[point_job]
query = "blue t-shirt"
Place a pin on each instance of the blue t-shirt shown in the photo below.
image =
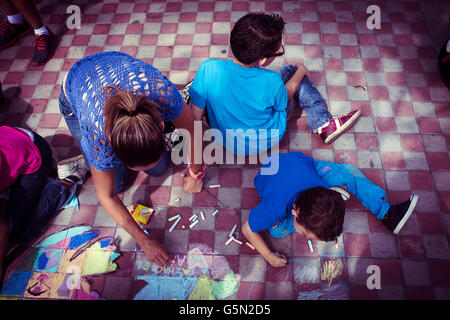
(297, 172)
(242, 98)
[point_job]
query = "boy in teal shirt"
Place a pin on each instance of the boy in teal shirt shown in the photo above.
(242, 96)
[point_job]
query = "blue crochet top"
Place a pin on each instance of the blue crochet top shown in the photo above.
(84, 84)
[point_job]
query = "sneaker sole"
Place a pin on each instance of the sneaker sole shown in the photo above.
(60, 166)
(344, 194)
(344, 128)
(414, 198)
(15, 39)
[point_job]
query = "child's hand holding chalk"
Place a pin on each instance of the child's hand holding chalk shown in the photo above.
(277, 260)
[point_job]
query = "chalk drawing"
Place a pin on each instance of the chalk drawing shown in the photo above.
(323, 280)
(46, 271)
(199, 274)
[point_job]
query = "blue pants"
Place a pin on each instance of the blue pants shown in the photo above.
(308, 98)
(120, 170)
(33, 200)
(341, 174)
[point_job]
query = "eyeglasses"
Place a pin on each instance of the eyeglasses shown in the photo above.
(277, 54)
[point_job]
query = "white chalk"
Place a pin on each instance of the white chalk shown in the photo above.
(249, 244)
(215, 212)
(193, 217)
(174, 224)
(193, 224)
(310, 246)
(202, 215)
(215, 186)
(228, 241)
(232, 231)
(337, 245)
(177, 200)
(237, 241)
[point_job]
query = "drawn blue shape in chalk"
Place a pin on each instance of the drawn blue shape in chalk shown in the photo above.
(16, 284)
(61, 235)
(79, 240)
(165, 288)
(106, 242)
(114, 255)
(48, 260)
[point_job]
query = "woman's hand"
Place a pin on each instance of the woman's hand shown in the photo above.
(155, 251)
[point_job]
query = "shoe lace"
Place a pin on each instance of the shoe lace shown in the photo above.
(41, 43)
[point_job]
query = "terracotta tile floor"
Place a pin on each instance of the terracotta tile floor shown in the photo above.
(401, 142)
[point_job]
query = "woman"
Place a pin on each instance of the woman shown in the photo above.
(115, 107)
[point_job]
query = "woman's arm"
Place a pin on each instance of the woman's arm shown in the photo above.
(104, 184)
(186, 121)
(258, 242)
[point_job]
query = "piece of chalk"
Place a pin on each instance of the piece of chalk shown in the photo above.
(146, 232)
(215, 212)
(215, 186)
(232, 231)
(249, 244)
(337, 245)
(193, 224)
(174, 224)
(228, 241)
(174, 217)
(202, 215)
(310, 246)
(177, 200)
(193, 217)
(237, 241)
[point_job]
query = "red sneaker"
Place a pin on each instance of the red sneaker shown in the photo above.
(338, 125)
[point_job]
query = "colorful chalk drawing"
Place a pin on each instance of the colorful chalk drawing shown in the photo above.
(199, 274)
(325, 280)
(60, 265)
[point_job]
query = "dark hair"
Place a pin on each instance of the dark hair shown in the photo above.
(256, 36)
(132, 126)
(321, 211)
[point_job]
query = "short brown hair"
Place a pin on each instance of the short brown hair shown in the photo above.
(132, 126)
(256, 35)
(321, 211)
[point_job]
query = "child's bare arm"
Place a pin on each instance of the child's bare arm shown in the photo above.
(197, 112)
(258, 242)
(294, 82)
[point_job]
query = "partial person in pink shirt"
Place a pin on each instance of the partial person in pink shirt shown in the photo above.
(30, 197)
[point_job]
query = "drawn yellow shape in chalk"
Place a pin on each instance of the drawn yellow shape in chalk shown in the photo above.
(202, 290)
(331, 270)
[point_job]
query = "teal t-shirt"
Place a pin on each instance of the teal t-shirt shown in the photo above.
(249, 103)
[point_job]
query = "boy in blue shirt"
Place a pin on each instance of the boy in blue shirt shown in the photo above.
(241, 96)
(298, 199)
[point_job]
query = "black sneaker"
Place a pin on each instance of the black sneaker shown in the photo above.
(44, 48)
(10, 33)
(398, 214)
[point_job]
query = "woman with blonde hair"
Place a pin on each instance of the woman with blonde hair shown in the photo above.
(116, 107)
